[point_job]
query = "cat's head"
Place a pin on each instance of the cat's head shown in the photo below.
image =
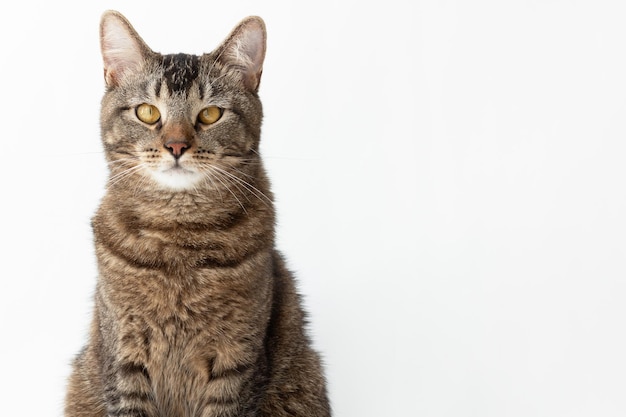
(181, 122)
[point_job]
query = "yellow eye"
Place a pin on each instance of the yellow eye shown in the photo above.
(210, 115)
(148, 113)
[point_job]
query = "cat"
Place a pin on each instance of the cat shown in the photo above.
(195, 313)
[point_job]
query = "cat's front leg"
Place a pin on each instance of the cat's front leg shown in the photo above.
(128, 391)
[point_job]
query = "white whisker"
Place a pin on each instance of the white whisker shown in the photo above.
(123, 175)
(230, 181)
(252, 189)
(209, 178)
(228, 188)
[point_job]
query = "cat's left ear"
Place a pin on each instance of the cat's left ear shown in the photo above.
(244, 51)
(123, 50)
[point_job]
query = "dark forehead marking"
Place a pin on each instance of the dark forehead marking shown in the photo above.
(179, 71)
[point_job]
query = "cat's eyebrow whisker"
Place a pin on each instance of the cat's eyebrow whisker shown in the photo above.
(216, 79)
(217, 58)
(213, 80)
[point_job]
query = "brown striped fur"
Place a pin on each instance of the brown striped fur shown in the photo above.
(195, 313)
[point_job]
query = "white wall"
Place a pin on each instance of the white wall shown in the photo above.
(450, 187)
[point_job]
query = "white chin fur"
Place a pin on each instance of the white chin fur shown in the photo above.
(176, 179)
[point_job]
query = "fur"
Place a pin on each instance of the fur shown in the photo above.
(195, 313)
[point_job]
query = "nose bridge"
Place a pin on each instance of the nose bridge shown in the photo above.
(178, 130)
(177, 136)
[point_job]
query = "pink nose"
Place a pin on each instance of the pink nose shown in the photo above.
(177, 148)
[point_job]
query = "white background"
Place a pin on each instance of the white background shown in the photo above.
(449, 178)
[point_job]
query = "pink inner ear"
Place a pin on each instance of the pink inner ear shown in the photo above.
(248, 51)
(255, 48)
(121, 52)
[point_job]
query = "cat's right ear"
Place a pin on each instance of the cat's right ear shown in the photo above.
(123, 50)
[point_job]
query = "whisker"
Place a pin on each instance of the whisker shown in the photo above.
(230, 181)
(217, 58)
(229, 190)
(238, 171)
(140, 185)
(208, 176)
(122, 161)
(252, 189)
(287, 158)
(121, 176)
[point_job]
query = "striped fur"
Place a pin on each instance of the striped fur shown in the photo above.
(195, 313)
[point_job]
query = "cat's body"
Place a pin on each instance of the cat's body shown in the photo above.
(195, 313)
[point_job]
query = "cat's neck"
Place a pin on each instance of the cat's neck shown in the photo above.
(162, 209)
(200, 229)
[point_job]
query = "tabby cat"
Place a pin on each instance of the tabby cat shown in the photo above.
(195, 314)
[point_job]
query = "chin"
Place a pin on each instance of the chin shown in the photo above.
(177, 179)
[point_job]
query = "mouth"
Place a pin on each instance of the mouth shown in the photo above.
(177, 169)
(176, 177)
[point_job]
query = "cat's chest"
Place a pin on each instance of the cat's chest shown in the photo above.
(186, 368)
(199, 332)
(197, 356)
(191, 316)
